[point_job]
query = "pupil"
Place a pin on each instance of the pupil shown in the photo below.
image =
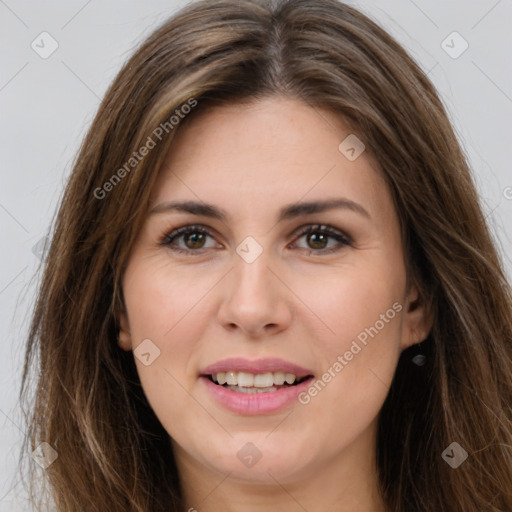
(196, 239)
(322, 242)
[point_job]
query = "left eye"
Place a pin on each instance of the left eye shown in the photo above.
(318, 238)
(194, 238)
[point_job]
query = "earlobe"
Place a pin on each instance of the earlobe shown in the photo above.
(124, 339)
(418, 319)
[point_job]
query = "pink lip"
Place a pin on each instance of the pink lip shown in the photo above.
(257, 403)
(239, 364)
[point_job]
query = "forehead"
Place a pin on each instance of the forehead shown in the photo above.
(272, 151)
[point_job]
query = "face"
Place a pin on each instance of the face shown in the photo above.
(316, 292)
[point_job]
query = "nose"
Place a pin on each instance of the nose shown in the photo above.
(255, 300)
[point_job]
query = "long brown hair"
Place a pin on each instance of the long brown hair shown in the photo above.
(113, 453)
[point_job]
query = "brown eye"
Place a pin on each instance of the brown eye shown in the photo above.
(194, 240)
(318, 238)
(188, 239)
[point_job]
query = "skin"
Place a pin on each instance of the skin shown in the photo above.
(295, 301)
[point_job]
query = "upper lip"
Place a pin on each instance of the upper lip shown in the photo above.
(240, 364)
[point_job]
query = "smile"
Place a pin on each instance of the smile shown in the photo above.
(250, 383)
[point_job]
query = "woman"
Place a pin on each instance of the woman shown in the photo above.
(270, 284)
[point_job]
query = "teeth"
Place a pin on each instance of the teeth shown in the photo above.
(231, 378)
(262, 380)
(289, 378)
(249, 380)
(246, 380)
(279, 378)
(220, 378)
(251, 391)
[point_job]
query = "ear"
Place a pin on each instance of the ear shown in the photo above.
(417, 320)
(125, 340)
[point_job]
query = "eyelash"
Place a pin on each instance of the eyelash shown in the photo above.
(169, 238)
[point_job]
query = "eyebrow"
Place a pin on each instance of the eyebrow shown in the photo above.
(287, 212)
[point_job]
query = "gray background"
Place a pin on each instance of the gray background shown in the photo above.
(47, 104)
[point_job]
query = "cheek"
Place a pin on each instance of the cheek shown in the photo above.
(166, 307)
(160, 297)
(351, 303)
(360, 357)
(360, 350)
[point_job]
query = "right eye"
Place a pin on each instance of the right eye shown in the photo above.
(193, 238)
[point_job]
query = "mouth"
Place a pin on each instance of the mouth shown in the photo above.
(252, 387)
(254, 383)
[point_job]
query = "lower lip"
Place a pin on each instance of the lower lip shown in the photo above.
(256, 403)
